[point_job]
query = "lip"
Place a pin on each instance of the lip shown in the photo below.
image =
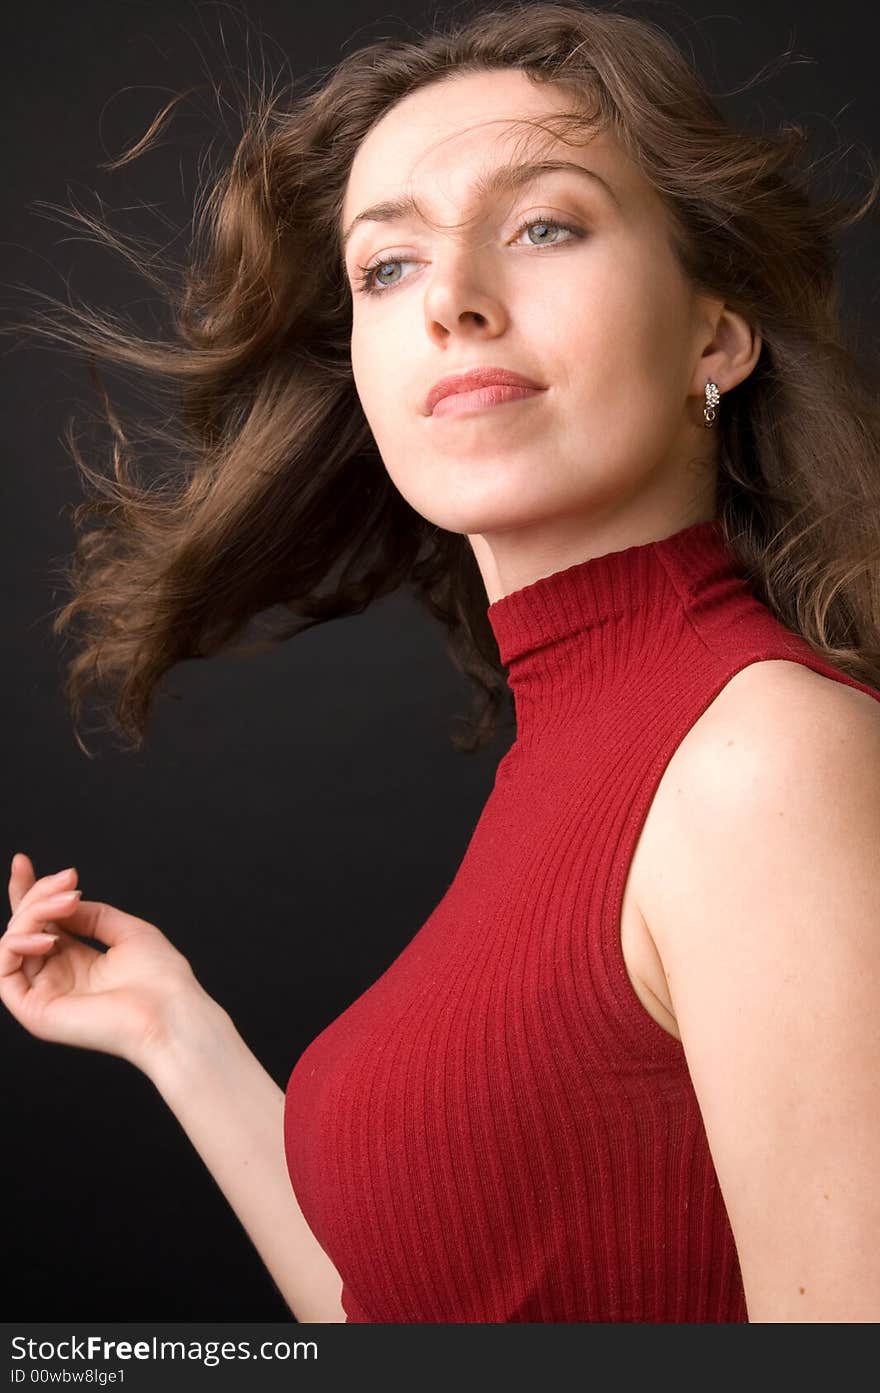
(475, 378)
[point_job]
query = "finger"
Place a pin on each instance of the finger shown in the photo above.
(23, 882)
(36, 914)
(21, 963)
(22, 957)
(17, 948)
(105, 923)
(22, 943)
(46, 885)
(35, 945)
(21, 878)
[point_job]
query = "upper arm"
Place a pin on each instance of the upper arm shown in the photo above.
(765, 915)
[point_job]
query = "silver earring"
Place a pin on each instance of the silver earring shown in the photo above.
(713, 396)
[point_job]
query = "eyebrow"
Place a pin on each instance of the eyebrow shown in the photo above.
(501, 178)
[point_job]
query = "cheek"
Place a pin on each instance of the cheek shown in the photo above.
(378, 363)
(614, 325)
(360, 368)
(623, 352)
(383, 376)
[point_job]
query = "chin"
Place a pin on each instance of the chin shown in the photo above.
(481, 521)
(466, 506)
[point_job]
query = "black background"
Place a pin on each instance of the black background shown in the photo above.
(292, 820)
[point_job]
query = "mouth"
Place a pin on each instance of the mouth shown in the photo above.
(466, 403)
(471, 381)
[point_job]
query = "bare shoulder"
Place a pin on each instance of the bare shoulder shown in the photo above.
(777, 734)
(785, 701)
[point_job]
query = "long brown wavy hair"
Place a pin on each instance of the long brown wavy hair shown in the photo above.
(271, 492)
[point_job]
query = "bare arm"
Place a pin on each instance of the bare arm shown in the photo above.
(232, 1111)
(765, 914)
(141, 1001)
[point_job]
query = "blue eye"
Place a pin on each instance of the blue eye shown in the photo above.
(541, 222)
(366, 283)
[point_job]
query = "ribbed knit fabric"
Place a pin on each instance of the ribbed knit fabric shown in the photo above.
(497, 1130)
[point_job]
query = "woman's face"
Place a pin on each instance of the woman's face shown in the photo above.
(565, 279)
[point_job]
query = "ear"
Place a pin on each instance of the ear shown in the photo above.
(728, 347)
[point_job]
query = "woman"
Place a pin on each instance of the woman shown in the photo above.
(511, 314)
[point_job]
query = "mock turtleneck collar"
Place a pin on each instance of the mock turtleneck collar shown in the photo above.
(566, 635)
(594, 591)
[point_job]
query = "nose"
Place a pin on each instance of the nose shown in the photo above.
(460, 298)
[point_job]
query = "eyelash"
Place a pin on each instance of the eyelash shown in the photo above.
(365, 282)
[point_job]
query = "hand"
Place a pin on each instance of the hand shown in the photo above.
(61, 988)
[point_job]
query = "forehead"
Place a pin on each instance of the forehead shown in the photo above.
(439, 136)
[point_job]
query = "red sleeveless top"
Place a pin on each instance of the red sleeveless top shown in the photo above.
(496, 1129)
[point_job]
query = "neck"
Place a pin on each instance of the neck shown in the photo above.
(512, 558)
(581, 637)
